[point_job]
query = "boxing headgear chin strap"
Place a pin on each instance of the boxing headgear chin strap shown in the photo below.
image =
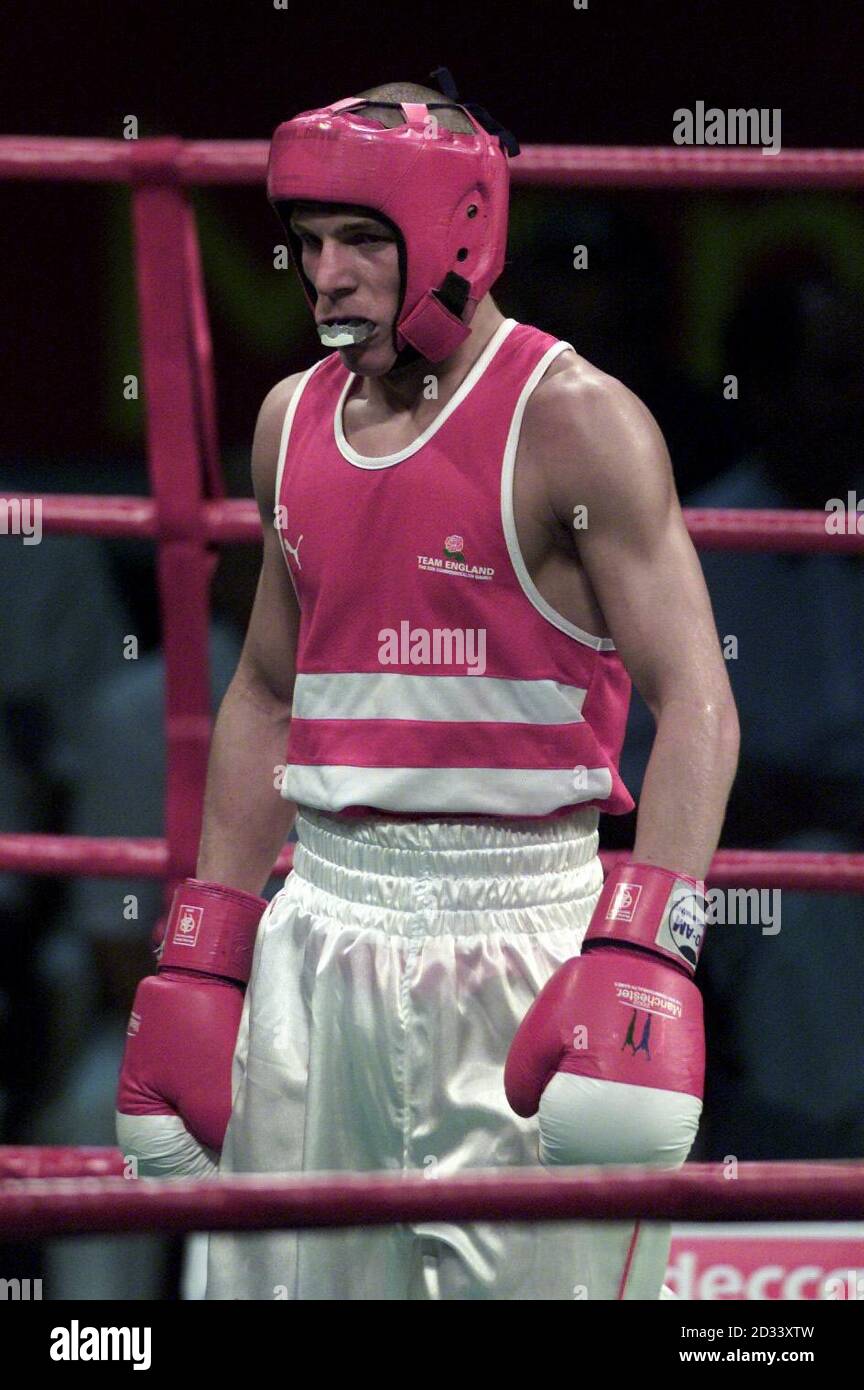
(445, 192)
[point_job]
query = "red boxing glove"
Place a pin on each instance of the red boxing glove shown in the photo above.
(612, 1050)
(174, 1096)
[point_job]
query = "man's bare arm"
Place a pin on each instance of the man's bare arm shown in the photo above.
(646, 576)
(246, 821)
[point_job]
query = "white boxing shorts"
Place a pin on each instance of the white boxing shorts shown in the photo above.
(390, 975)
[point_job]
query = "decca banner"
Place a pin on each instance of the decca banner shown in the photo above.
(770, 1261)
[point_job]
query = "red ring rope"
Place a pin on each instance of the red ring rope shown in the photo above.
(696, 1192)
(562, 166)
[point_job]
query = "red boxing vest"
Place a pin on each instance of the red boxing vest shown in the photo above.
(432, 679)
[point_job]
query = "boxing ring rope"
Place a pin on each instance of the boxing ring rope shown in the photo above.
(204, 162)
(234, 519)
(119, 857)
(46, 1191)
(697, 1192)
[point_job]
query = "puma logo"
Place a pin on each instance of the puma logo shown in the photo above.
(294, 549)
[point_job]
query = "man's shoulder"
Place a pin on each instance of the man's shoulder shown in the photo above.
(277, 400)
(575, 393)
(268, 435)
(584, 427)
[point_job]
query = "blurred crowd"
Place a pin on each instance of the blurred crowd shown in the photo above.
(81, 733)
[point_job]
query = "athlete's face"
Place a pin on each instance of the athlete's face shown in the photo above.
(352, 260)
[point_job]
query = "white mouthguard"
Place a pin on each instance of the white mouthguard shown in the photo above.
(347, 334)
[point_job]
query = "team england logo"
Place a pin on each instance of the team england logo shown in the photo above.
(453, 560)
(188, 926)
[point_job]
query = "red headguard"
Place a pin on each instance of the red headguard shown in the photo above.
(447, 194)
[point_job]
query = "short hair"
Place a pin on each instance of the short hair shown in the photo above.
(451, 116)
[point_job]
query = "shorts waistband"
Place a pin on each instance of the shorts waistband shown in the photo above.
(471, 865)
